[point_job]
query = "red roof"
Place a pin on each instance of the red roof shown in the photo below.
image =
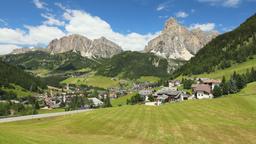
(204, 88)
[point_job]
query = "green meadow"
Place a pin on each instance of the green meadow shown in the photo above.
(93, 80)
(230, 119)
(149, 79)
(121, 101)
(239, 68)
(18, 90)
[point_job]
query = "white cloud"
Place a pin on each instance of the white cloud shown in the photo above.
(7, 48)
(181, 14)
(160, 7)
(34, 35)
(80, 22)
(163, 17)
(228, 29)
(39, 4)
(163, 6)
(51, 20)
(43, 34)
(76, 22)
(225, 3)
(60, 6)
(203, 27)
(11, 36)
(3, 22)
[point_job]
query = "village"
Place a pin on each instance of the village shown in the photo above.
(151, 94)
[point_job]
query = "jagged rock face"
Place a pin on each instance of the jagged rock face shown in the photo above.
(25, 50)
(177, 42)
(97, 48)
(103, 47)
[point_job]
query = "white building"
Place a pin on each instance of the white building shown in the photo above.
(203, 91)
(96, 102)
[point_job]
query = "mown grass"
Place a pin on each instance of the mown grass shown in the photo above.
(93, 80)
(239, 68)
(227, 120)
(44, 111)
(121, 101)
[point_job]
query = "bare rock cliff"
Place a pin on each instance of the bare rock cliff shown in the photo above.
(101, 47)
(177, 42)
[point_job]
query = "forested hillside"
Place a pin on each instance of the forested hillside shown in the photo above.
(11, 74)
(230, 48)
(133, 65)
(43, 60)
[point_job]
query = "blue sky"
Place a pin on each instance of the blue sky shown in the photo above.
(130, 23)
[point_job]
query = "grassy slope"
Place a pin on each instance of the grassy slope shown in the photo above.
(122, 100)
(44, 111)
(19, 91)
(148, 79)
(225, 120)
(96, 81)
(239, 68)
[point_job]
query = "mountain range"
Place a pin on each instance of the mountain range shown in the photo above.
(175, 42)
(162, 56)
(101, 47)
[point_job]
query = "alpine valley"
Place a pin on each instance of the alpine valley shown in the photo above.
(187, 84)
(165, 53)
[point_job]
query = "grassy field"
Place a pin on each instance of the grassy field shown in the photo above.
(149, 79)
(44, 111)
(239, 68)
(122, 100)
(230, 119)
(93, 80)
(19, 91)
(40, 72)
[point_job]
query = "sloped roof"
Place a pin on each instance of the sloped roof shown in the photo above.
(204, 88)
(162, 97)
(206, 80)
(96, 101)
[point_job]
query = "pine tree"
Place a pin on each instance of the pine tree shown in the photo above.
(217, 92)
(107, 102)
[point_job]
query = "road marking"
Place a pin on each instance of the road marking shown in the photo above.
(29, 117)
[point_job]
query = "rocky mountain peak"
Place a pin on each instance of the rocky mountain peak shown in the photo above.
(171, 23)
(177, 42)
(101, 47)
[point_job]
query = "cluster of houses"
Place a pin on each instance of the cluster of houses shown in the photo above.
(152, 94)
(56, 96)
(202, 89)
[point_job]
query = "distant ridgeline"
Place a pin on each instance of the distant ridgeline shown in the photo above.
(233, 47)
(11, 74)
(57, 62)
(126, 64)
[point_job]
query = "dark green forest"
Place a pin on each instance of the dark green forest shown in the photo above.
(133, 65)
(12, 74)
(57, 62)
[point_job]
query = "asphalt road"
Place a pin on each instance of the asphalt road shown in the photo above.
(28, 117)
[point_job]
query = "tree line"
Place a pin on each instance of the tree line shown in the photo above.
(235, 84)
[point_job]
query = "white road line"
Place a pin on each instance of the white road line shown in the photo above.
(28, 117)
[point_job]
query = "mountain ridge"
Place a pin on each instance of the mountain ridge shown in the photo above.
(97, 48)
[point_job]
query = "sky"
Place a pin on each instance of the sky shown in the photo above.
(129, 23)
